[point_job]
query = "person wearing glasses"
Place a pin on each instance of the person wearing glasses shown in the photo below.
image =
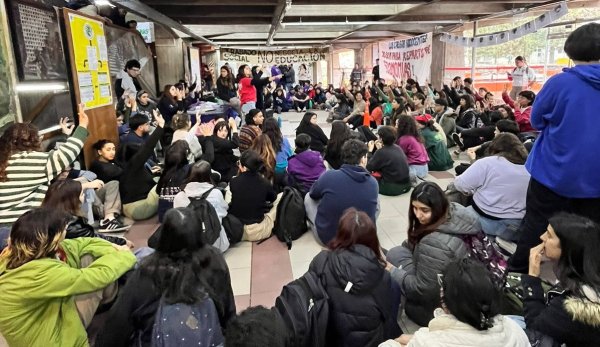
(127, 79)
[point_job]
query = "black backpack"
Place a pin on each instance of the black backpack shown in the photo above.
(290, 222)
(304, 308)
(211, 226)
(118, 89)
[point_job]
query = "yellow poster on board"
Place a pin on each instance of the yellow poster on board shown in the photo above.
(91, 61)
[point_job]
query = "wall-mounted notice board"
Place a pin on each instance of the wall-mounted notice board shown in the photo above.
(90, 60)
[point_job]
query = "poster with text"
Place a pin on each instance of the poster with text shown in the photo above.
(195, 65)
(404, 59)
(91, 61)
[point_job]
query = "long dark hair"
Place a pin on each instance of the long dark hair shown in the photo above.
(469, 102)
(356, 227)
(220, 125)
(509, 111)
(305, 122)
(227, 81)
(430, 194)
(63, 195)
(271, 129)
(508, 146)
(19, 137)
(340, 133)
(167, 94)
(407, 126)
(35, 235)
(241, 73)
(176, 158)
(578, 264)
(199, 172)
(178, 267)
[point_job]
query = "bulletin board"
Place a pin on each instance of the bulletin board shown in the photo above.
(89, 76)
(90, 60)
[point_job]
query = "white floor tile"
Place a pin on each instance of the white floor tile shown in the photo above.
(238, 257)
(240, 281)
(299, 268)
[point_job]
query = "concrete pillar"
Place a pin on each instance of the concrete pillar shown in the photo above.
(438, 61)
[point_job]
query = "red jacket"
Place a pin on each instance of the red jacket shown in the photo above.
(522, 116)
(377, 115)
(247, 90)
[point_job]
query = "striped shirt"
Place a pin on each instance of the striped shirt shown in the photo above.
(29, 175)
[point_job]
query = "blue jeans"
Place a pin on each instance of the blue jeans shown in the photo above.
(419, 171)
(4, 234)
(506, 229)
(520, 320)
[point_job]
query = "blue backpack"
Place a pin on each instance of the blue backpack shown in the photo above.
(181, 324)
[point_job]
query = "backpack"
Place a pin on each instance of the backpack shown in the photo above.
(290, 221)
(165, 200)
(206, 213)
(196, 324)
(304, 308)
(487, 252)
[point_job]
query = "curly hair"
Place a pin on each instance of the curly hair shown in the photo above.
(407, 126)
(19, 137)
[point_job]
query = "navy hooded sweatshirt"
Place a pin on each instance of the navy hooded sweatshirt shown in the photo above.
(338, 190)
(566, 155)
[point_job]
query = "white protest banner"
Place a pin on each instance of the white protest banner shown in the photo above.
(259, 57)
(403, 59)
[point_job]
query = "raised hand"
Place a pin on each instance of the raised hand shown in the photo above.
(160, 121)
(84, 120)
(67, 128)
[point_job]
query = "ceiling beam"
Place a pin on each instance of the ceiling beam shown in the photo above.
(215, 11)
(282, 7)
(222, 21)
(209, 2)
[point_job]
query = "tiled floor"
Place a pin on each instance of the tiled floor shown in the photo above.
(259, 271)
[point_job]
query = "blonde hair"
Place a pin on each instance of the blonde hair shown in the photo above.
(263, 146)
(35, 235)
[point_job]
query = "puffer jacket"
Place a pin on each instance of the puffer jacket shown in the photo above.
(568, 319)
(418, 280)
(360, 298)
(445, 331)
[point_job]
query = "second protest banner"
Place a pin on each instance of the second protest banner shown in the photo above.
(408, 58)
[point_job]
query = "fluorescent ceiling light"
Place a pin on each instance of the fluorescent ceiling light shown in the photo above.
(287, 24)
(40, 87)
(103, 3)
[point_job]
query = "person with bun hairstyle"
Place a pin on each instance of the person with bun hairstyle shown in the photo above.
(437, 151)
(469, 313)
(251, 196)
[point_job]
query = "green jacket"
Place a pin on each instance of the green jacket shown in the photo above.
(439, 157)
(37, 306)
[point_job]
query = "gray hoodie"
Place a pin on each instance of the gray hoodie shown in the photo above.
(215, 198)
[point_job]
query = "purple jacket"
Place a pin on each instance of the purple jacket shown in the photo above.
(276, 71)
(305, 168)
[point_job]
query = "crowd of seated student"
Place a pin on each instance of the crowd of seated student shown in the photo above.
(443, 289)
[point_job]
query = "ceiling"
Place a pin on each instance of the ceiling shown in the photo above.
(299, 23)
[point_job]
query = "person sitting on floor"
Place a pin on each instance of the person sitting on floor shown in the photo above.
(184, 130)
(281, 145)
(469, 314)
(337, 190)
(411, 143)
(104, 166)
(340, 134)
(363, 305)
(65, 196)
(20, 147)
(251, 195)
(199, 182)
(390, 163)
(308, 125)
(136, 183)
(139, 130)
(256, 326)
(51, 287)
(225, 140)
(522, 108)
(437, 150)
(498, 184)
(569, 312)
(252, 129)
(435, 230)
(183, 270)
(305, 166)
(263, 146)
(446, 118)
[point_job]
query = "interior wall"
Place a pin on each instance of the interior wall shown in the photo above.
(170, 56)
(8, 96)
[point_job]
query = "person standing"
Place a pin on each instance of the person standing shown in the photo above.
(356, 75)
(522, 77)
(376, 72)
(127, 79)
(563, 162)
